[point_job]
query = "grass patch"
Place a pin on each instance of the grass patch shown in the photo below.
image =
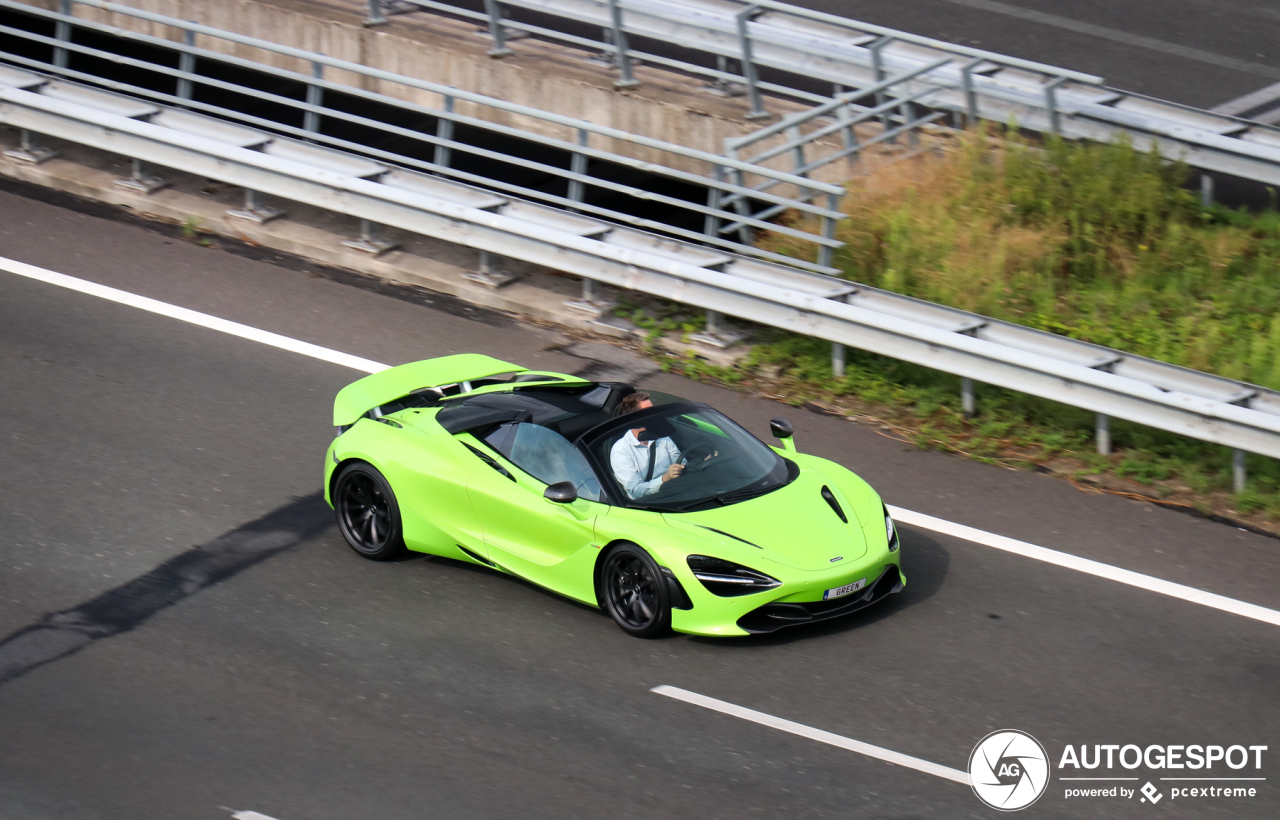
(1097, 242)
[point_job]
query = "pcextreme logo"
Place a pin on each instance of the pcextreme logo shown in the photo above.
(1009, 770)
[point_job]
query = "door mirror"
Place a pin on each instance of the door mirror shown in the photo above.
(781, 428)
(562, 492)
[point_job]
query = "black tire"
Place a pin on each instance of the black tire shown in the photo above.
(367, 512)
(634, 592)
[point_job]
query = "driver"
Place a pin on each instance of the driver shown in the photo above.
(642, 467)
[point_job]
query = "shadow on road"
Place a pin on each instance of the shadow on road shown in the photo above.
(131, 604)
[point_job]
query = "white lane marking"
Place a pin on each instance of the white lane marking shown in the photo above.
(928, 522)
(250, 815)
(1115, 35)
(1085, 565)
(194, 317)
(1254, 99)
(888, 755)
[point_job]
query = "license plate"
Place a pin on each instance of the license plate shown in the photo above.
(844, 590)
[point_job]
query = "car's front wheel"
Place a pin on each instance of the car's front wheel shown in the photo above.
(633, 592)
(367, 512)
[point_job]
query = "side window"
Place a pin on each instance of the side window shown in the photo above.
(549, 457)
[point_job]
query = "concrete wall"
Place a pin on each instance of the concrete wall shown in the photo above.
(666, 106)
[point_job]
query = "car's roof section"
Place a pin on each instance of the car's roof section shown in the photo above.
(357, 398)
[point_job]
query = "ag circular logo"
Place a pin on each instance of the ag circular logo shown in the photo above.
(1009, 770)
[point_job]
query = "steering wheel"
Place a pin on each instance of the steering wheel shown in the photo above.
(697, 459)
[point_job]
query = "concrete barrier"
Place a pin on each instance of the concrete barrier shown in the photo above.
(667, 106)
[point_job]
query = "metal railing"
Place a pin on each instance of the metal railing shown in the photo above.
(1110, 383)
(806, 130)
(581, 178)
(805, 49)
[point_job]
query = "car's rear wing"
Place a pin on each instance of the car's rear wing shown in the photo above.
(375, 390)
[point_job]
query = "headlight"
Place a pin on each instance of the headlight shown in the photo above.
(727, 579)
(890, 531)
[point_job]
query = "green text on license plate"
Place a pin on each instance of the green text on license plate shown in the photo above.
(844, 590)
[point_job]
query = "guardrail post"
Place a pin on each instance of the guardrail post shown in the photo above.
(1238, 471)
(1206, 190)
(140, 181)
(62, 32)
(627, 80)
(970, 96)
(722, 86)
(848, 136)
(717, 334)
(744, 17)
(380, 11)
(444, 130)
(487, 273)
(254, 210)
(740, 204)
(797, 159)
(578, 165)
(877, 64)
(315, 97)
(29, 149)
(837, 360)
(711, 225)
(1051, 103)
(376, 17)
(593, 300)
(187, 65)
(909, 117)
(967, 404)
(494, 9)
(826, 253)
(1102, 430)
(371, 241)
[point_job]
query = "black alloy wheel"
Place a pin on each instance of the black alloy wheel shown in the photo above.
(367, 512)
(634, 593)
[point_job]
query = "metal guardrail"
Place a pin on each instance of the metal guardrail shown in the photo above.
(1108, 382)
(578, 178)
(804, 46)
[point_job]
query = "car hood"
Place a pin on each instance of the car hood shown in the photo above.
(792, 525)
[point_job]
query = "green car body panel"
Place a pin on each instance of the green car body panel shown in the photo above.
(456, 504)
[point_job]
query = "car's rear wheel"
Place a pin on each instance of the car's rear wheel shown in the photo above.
(367, 512)
(634, 593)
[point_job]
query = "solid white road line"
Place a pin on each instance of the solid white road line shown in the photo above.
(191, 316)
(1064, 559)
(928, 522)
(800, 729)
(250, 815)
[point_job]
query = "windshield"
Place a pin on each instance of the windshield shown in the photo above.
(686, 457)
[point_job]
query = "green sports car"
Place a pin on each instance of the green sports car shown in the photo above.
(661, 511)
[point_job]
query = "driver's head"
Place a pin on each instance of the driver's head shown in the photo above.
(633, 402)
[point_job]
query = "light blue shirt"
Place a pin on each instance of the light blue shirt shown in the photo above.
(629, 459)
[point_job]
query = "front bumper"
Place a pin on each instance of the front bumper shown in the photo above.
(774, 616)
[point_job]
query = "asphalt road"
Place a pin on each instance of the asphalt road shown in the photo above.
(228, 651)
(1197, 52)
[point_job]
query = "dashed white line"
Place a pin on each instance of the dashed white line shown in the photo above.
(929, 522)
(791, 727)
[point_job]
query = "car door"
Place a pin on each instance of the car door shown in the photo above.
(524, 531)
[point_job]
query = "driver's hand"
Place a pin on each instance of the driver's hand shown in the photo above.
(712, 455)
(673, 471)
